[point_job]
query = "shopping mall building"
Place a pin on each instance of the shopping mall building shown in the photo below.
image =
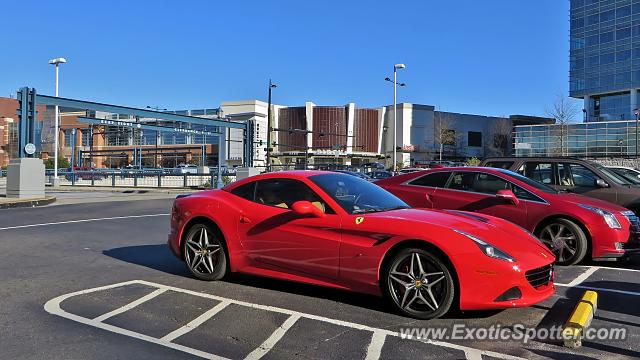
(312, 134)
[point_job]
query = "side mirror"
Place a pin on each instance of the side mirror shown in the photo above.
(508, 196)
(601, 183)
(307, 209)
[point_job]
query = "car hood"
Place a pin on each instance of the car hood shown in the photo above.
(585, 200)
(507, 236)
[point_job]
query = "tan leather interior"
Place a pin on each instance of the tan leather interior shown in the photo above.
(319, 205)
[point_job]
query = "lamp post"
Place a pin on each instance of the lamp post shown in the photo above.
(271, 86)
(155, 156)
(73, 149)
(395, 114)
(56, 62)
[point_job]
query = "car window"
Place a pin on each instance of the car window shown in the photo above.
(627, 174)
(620, 180)
(541, 172)
(499, 164)
(578, 175)
(246, 191)
(437, 179)
(477, 182)
(489, 184)
(523, 194)
(461, 181)
(357, 196)
(283, 193)
(564, 174)
(535, 184)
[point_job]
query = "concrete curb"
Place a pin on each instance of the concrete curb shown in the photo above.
(47, 200)
(580, 319)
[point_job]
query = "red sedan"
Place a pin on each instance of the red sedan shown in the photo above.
(343, 232)
(572, 226)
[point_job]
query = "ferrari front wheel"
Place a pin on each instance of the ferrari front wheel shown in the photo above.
(418, 284)
(204, 253)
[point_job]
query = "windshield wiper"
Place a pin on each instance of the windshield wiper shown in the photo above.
(372, 210)
(399, 207)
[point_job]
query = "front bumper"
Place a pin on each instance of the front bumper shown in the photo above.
(486, 289)
(615, 243)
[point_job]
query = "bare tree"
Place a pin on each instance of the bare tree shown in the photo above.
(499, 137)
(444, 133)
(564, 112)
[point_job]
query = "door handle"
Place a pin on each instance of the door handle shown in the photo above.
(244, 219)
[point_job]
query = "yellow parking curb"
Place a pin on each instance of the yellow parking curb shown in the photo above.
(580, 319)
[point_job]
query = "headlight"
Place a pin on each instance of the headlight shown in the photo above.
(488, 249)
(608, 217)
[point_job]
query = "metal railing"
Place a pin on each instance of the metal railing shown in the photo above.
(140, 178)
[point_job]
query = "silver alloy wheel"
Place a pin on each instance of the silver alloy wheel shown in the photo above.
(415, 289)
(202, 252)
(561, 240)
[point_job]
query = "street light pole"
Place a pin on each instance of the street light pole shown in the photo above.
(268, 165)
(155, 157)
(56, 62)
(395, 115)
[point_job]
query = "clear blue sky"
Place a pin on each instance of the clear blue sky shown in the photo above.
(495, 57)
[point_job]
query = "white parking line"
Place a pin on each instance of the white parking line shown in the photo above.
(609, 268)
(375, 346)
(373, 352)
(624, 292)
(129, 306)
(268, 344)
(82, 221)
(195, 322)
(576, 283)
(473, 354)
(582, 277)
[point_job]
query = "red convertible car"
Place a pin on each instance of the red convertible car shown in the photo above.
(572, 226)
(343, 232)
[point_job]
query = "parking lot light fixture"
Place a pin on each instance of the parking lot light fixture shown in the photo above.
(56, 62)
(268, 157)
(395, 113)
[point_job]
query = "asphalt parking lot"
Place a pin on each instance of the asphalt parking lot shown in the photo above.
(96, 280)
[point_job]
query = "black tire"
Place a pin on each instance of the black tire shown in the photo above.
(204, 252)
(425, 292)
(566, 240)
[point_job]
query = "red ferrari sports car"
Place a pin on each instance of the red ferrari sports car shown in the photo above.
(571, 225)
(343, 232)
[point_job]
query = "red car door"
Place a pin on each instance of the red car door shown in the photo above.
(273, 236)
(476, 191)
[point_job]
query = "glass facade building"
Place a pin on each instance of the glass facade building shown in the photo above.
(604, 139)
(605, 57)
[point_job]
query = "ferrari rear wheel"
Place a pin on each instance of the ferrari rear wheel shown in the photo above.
(566, 240)
(418, 284)
(204, 253)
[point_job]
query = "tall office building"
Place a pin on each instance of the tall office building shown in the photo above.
(605, 57)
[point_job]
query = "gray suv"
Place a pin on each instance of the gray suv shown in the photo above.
(574, 175)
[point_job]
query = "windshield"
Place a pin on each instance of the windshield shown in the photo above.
(629, 175)
(534, 184)
(620, 180)
(357, 196)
